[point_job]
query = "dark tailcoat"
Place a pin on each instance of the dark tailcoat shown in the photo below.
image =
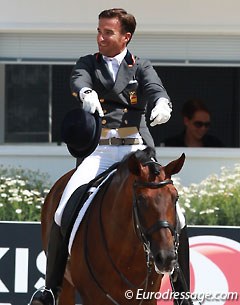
(124, 102)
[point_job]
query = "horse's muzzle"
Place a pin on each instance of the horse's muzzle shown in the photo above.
(165, 261)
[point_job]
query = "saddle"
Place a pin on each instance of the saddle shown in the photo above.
(77, 200)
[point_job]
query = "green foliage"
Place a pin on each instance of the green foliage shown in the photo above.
(214, 201)
(22, 194)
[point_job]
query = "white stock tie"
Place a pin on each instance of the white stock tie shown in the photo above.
(113, 67)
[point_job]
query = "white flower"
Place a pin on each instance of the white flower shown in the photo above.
(10, 182)
(21, 182)
(36, 193)
(26, 193)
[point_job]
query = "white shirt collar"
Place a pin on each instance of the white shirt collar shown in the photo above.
(119, 58)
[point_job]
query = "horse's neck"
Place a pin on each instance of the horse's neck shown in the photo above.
(118, 217)
(122, 243)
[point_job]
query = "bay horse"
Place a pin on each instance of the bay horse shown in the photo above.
(128, 237)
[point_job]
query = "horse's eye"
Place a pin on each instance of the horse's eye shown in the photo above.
(142, 201)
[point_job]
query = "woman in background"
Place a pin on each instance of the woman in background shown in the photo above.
(197, 120)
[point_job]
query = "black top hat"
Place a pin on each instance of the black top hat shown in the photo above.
(81, 132)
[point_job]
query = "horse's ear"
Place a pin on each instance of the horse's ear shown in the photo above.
(134, 165)
(174, 167)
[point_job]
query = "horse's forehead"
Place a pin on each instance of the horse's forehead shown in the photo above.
(164, 187)
(161, 201)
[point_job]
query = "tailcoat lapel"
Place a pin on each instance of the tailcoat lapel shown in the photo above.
(103, 72)
(125, 73)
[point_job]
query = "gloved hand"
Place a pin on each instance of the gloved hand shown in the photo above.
(161, 113)
(90, 101)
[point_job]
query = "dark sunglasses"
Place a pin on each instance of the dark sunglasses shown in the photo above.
(199, 124)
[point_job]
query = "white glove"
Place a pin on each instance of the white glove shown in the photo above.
(90, 101)
(161, 113)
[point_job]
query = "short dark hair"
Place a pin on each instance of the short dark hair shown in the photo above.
(128, 21)
(193, 105)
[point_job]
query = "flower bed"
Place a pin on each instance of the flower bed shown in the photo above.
(22, 194)
(214, 201)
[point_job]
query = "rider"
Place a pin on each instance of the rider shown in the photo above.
(119, 87)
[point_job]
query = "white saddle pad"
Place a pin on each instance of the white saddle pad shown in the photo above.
(83, 211)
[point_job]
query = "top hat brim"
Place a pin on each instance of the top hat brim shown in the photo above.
(95, 141)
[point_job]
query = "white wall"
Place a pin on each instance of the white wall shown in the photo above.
(172, 15)
(2, 103)
(200, 162)
(56, 161)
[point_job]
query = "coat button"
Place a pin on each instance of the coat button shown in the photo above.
(126, 122)
(125, 110)
(102, 100)
(104, 122)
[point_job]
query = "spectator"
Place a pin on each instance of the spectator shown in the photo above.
(197, 120)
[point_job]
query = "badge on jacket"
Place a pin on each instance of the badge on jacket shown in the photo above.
(133, 97)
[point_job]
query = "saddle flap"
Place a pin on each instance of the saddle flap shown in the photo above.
(72, 208)
(77, 200)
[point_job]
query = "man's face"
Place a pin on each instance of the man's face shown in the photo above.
(111, 41)
(198, 125)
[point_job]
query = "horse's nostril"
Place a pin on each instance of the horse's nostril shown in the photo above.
(158, 259)
(165, 259)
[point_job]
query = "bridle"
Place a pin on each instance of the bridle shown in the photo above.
(160, 223)
(142, 233)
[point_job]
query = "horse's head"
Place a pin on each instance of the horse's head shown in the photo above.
(154, 204)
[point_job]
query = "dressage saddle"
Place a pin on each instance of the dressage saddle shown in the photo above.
(77, 200)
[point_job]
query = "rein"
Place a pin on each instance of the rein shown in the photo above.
(90, 268)
(140, 232)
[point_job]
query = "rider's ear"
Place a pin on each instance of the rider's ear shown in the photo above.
(134, 165)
